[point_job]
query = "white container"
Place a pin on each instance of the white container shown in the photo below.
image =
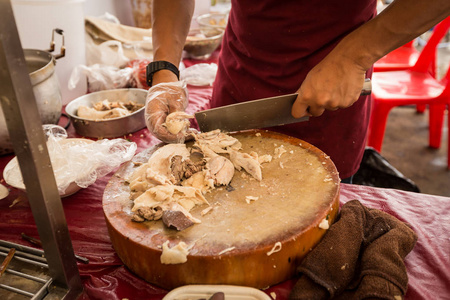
(36, 19)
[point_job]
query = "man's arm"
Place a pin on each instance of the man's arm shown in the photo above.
(399, 23)
(337, 80)
(171, 20)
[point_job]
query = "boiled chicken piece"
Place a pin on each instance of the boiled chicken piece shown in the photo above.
(177, 166)
(159, 164)
(174, 206)
(170, 184)
(188, 197)
(213, 142)
(138, 182)
(90, 113)
(175, 255)
(157, 170)
(193, 167)
(148, 214)
(164, 195)
(103, 105)
(202, 181)
(168, 197)
(264, 158)
(130, 106)
(216, 141)
(184, 168)
(261, 158)
(178, 207)
(205, 150)
(221, 169)
(247, 162)
(138, 174)
(279, 151)
(177, 122)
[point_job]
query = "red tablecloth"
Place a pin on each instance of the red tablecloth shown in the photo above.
(105, 277)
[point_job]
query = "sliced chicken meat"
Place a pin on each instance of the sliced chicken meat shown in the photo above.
(168, 197)
(247, 162)
(177, 122)
(170, 184)
(221, 169)
(216, 141)
(90, 113)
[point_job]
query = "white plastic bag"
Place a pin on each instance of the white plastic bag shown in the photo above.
(79, 161)
(102, 77)
(84, 163)
(200, 74)
(110, 53)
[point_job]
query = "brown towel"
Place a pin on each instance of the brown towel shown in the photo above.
(360, 257)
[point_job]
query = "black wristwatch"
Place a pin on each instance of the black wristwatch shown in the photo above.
(156, 66)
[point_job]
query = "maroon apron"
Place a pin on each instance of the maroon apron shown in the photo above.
(269, 47)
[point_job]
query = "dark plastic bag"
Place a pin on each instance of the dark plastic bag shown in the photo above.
(376, 171)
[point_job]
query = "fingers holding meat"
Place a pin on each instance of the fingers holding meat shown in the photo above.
(162, 100)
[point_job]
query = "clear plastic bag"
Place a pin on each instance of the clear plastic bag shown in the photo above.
(200, 74)
(79, 161)
(85, 163)
(114, 72)
(139, 72)
(102, 77)
(110, 53)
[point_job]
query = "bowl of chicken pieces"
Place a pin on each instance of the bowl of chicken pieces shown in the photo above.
(109, 113)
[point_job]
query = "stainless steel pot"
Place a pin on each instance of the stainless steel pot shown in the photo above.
(41, 67)
(109, 128)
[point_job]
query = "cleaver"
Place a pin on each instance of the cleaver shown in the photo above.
(261, 113)
(254, 114)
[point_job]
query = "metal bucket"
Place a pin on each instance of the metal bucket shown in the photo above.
(41, 68)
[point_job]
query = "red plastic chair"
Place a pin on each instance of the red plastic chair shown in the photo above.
(408, 87)
(402, 58)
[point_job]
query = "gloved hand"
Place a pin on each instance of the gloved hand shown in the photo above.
(162, 100)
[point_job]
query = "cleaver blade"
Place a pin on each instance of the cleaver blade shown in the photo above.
(261, 113)
(256, 114)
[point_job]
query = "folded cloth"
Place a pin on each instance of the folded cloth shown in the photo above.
(106, 41)
(104, 31)
(360, 257)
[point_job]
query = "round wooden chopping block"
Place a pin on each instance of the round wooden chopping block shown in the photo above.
(255, 241)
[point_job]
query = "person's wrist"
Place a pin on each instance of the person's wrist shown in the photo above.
(162, 76)
(157, 66)
(359, 49)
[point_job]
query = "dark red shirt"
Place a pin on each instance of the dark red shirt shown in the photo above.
(269, 47)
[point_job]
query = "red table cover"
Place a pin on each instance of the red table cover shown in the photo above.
(105, 277)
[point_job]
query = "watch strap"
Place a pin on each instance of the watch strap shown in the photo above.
(156, 66)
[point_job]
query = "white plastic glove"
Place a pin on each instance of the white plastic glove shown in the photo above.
(162, 100)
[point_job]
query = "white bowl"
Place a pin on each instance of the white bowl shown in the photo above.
(13, 177)
(232, 292)
(213, 20)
